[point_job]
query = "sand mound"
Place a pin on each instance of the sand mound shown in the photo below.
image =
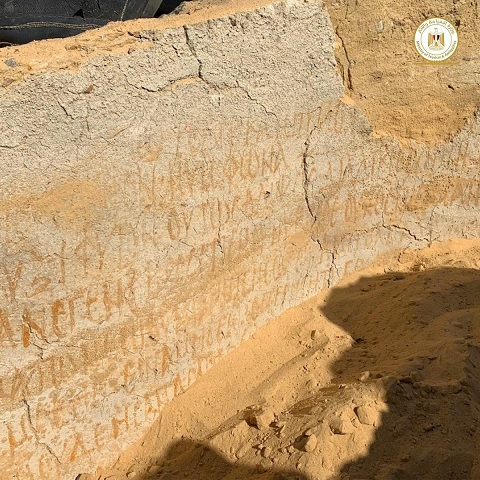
(374, 379)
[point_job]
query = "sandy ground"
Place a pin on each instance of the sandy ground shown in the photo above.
(374, 379)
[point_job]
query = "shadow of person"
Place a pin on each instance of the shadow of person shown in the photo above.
(197, 461)
(418, 333)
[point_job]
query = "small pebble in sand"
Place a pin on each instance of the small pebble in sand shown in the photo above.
(364, 376)
(11, 62)
(316, 334)
(266, 452)
(339, 426)
(261, 418)
(365, 415)
(311, 443)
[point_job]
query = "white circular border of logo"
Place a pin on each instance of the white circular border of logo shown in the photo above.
(442, 26)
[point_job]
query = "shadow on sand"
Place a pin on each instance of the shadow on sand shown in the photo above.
(418, 329)
(422, 330)
(196, 461)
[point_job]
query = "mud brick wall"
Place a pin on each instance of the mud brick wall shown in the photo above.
(167, 187)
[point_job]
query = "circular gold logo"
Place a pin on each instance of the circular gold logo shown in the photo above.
(436, 39)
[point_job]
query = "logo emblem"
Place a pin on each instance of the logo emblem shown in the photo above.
(436, 39)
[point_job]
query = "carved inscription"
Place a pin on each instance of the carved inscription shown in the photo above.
(198, 247)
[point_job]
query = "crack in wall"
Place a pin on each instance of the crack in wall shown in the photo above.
(305, 169)
(249, 96)
(35, 433)
(333, 267)
(219, 88)
(193, 51)
(219, 243)
(305, 174)
(346, 70)
(407, 230)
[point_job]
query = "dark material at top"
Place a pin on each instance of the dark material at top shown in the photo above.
(22, 21)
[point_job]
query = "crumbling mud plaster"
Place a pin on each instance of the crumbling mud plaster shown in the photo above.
(160, 202)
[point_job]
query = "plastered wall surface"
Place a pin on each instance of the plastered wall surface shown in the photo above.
(160, 202)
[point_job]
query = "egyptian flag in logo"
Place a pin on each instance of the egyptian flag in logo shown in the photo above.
(436, 40)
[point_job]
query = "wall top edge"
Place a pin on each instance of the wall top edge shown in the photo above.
(116, 38)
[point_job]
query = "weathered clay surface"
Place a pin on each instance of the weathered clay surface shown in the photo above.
(402, 95)
(161, 202)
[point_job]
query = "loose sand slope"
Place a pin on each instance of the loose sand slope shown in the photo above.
(374, 379)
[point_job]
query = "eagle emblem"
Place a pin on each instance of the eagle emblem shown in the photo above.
(436, 40)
